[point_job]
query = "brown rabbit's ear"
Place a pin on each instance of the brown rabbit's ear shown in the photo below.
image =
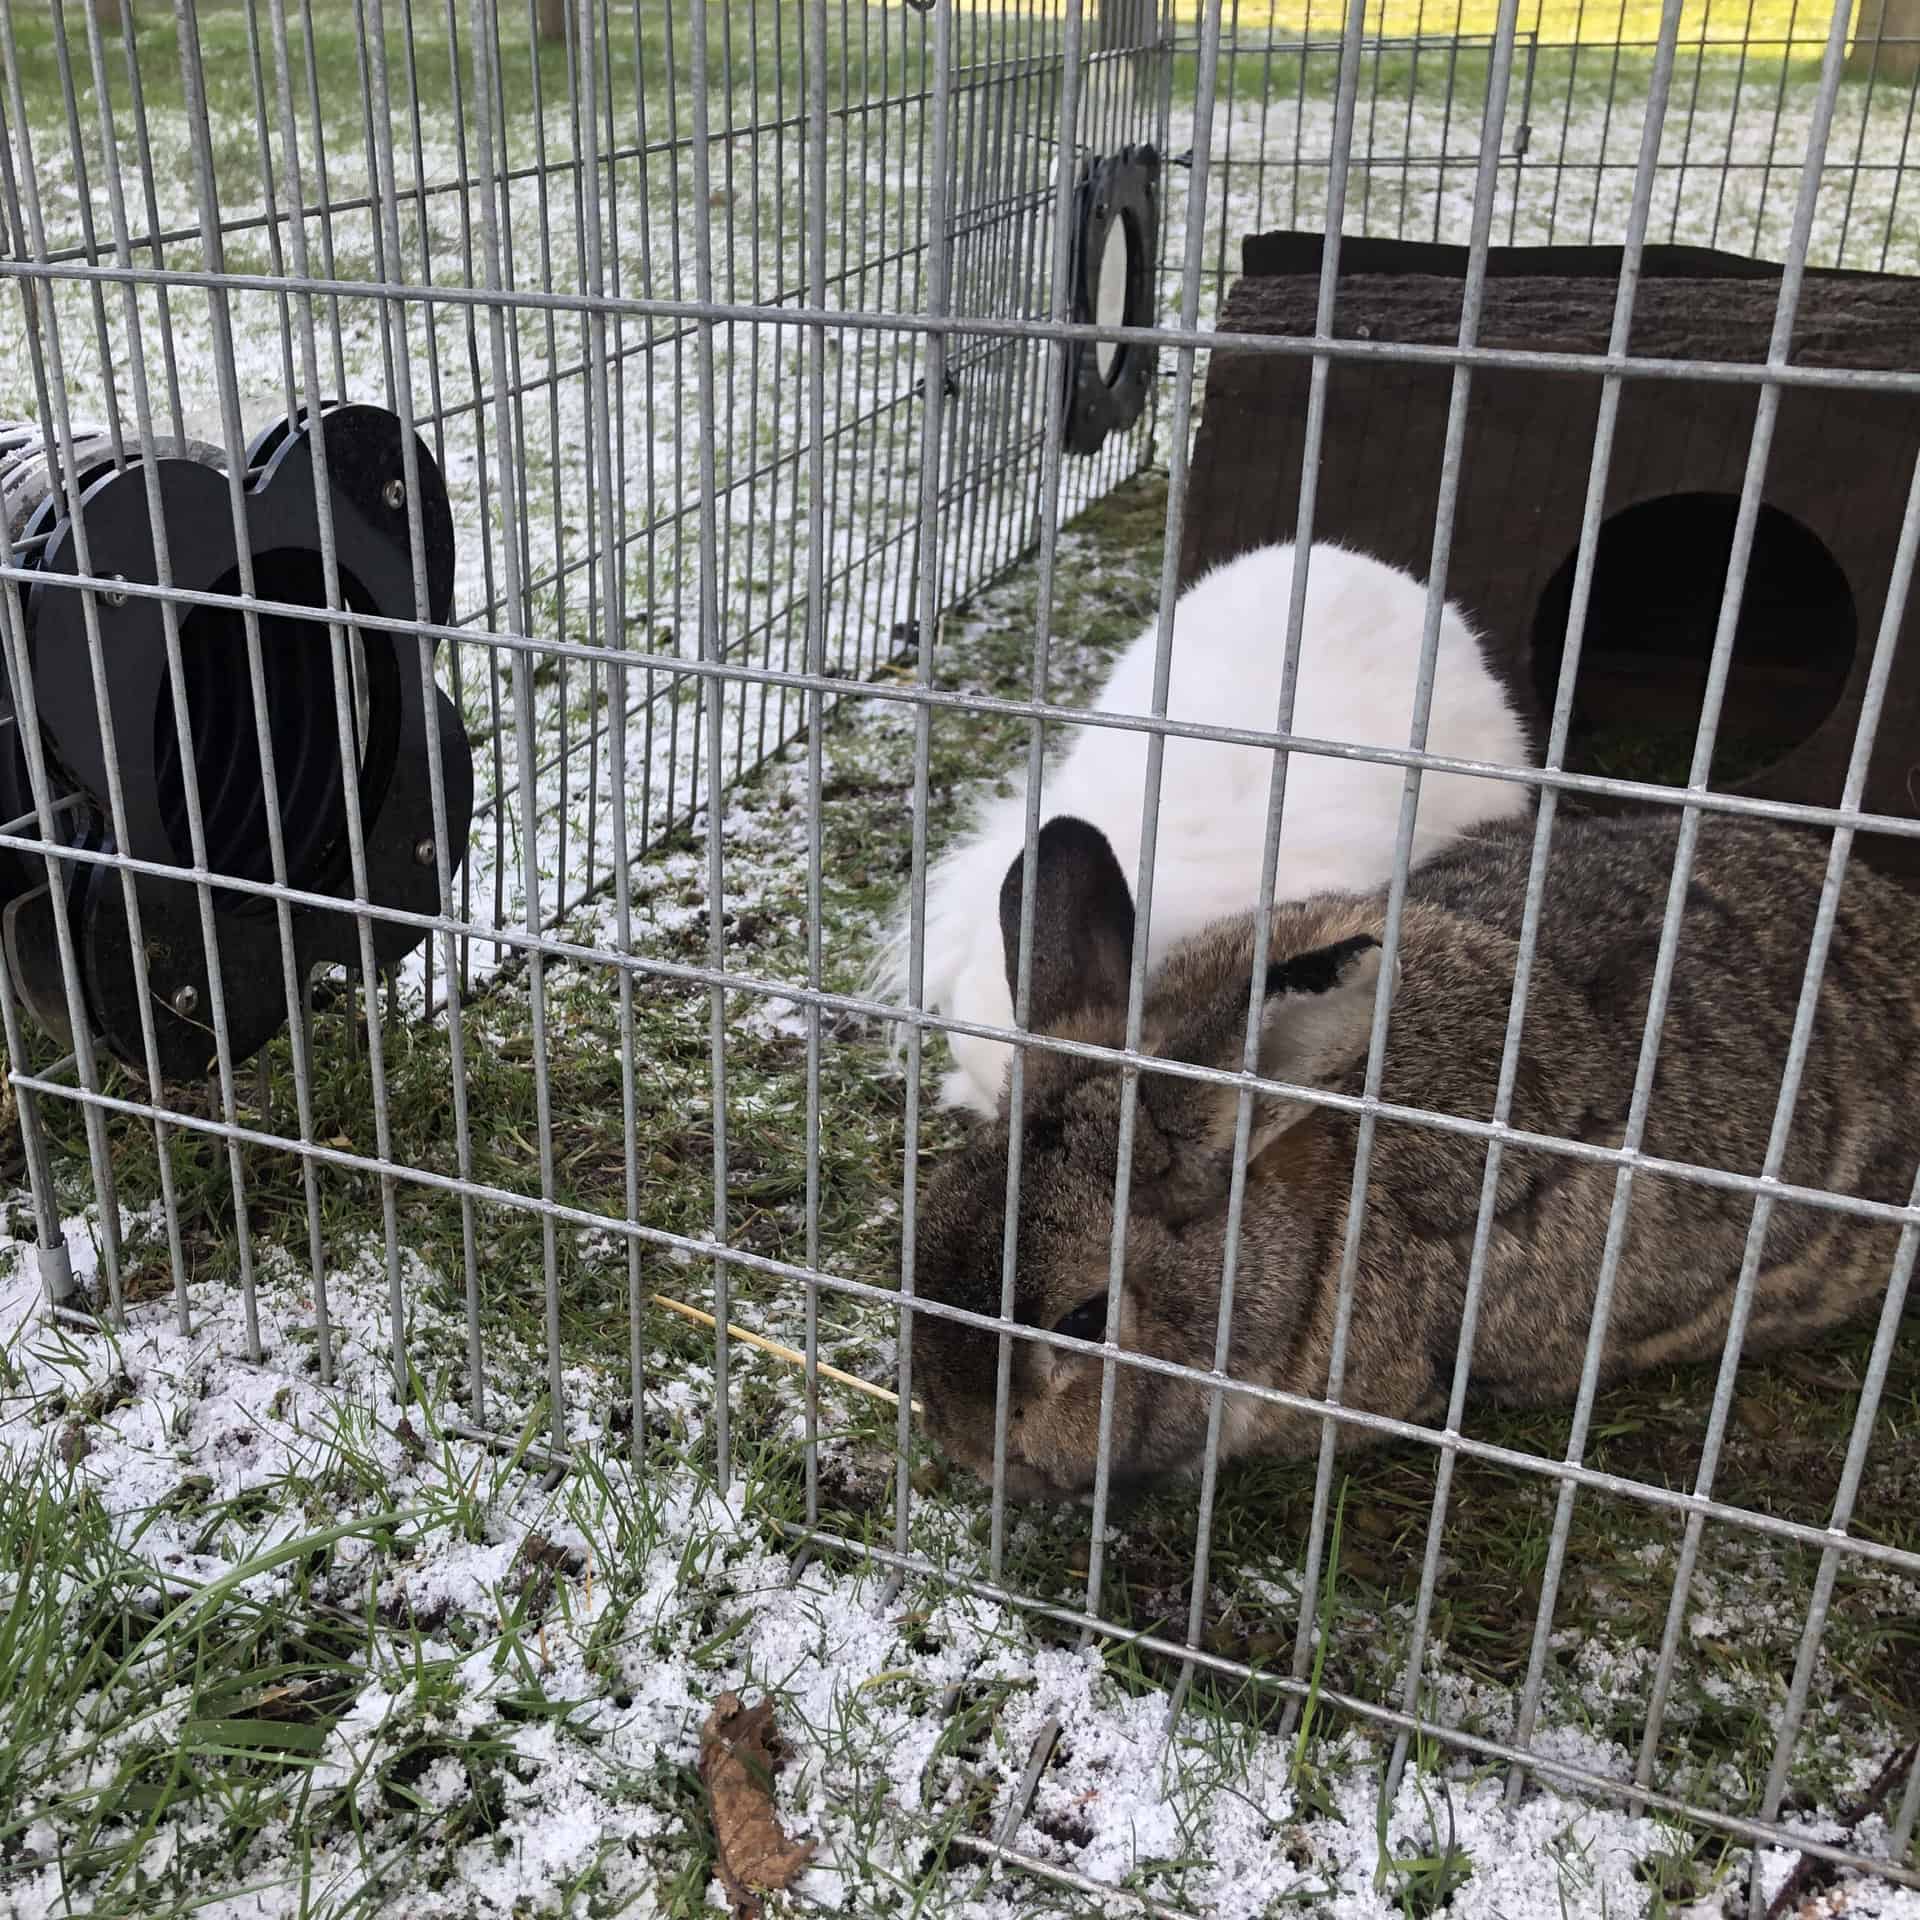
(1318, 1016)
(1082, 923)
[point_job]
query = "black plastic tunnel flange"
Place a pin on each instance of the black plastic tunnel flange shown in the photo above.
(389, 713)
(1121, 191)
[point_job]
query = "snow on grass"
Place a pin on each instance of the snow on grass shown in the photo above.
(1730, 173)
(529, 1668)
(274, 1648)
(477, 1694)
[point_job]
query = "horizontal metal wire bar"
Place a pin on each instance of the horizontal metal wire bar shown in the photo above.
(417, 193)
(1544, 163)
(651, 530)
(1237, 45)
(1743, 806)
(1053, 1875)
(1593, 366)
(1885, 1212)
(1537, 1465)
(572, 372)
(1601, 1786)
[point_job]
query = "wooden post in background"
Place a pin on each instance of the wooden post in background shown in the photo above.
(1886, 40)
(109, 14)
(553, 19)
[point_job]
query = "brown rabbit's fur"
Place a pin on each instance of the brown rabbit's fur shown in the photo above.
(1737, 979)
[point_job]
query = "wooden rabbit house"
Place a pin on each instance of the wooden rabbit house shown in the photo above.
(1823, 553)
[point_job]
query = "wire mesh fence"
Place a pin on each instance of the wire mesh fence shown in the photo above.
(725, 354)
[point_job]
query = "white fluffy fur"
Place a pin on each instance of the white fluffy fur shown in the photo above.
(1359, 651)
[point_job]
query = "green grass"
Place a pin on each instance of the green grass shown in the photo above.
(1790, 1425)
(260, 1684)
(648, 45)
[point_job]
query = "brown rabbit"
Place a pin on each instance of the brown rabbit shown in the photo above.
(1737, 979)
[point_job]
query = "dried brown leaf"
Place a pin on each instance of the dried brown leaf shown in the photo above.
(752, 1851)
(536, 1550)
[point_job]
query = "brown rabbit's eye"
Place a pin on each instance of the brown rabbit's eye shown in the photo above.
(1087, 1321)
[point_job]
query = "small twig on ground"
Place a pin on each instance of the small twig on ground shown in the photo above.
(788, 1354)
(1800, 1879)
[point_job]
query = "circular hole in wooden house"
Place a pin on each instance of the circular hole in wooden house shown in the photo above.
(1659, 573)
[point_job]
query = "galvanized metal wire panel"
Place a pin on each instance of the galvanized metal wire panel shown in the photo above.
(731, 341)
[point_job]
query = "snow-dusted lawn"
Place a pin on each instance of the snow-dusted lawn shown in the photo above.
(273, 1648)
(436, 1711)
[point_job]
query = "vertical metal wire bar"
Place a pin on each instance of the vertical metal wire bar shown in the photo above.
(1297, 167)
(800, 352)
(740, 596)
(978, 223)
(1346, 87)
(136, 355)
(1867, 99)
(1016, 459)
(1066, 176)
(939, 263)
(1022, 376)
(964, 108)
(1446, 136)
(906, 195)
(42, 328)
(1733, 111)
(1900, 1838)
(613, 600)
(54, 1263)
(470, 331)
(1900, 168)
(1773, 135)
(676, 279)
(63, 470)
(149, 179)
(388, 192)
(347, 740)
(1686, 160)
(556, 177)
(1370, 168)
(1852, 790)
(778, 590)
(324, 193)
(607, 208)
(516, 472)
(372, 137)
(492, 209)
(1886, 1336)
(1566, 131)
(526, 717)
(89, 234)
(1486, 188)
(1182, 435)
(1264, 151)
(1224, 159)
(1598, 470)
(53, 1267)
(1413, 90)
(851, 286)
(269, 188)
(649, 385)
(712, 650)
(1765, 414)
(220, 320)
(423, 233)
(813, 85)
(300, 1037)
(1606, 138)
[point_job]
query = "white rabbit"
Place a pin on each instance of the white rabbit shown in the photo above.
(1359, 658)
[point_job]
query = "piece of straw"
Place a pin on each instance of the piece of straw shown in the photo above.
(779, 1352)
